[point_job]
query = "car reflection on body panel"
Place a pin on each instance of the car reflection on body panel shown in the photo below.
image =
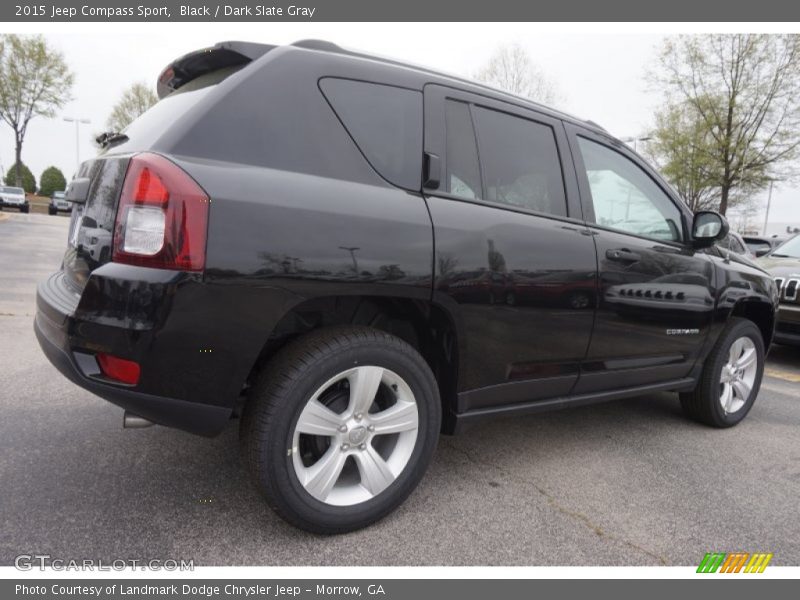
(679, 295)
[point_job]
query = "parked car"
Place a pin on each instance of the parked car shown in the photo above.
(13, 197)
(761, 245)
(783, 263)
(736, 243)
(94, 241)
(273, 256)
(58, 203)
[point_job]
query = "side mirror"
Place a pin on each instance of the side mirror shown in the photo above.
(77, 191)
(708, 227)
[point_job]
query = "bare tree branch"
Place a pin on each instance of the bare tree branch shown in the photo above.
(512, 69)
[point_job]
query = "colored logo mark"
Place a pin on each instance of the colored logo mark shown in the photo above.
(734, 562)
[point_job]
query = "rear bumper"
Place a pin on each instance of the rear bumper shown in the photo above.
(68, 342)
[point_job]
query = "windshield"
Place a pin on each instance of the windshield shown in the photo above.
(11, 190)
(58, 195)
(789, 249)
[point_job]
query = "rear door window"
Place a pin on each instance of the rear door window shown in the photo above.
(385, 122)
(520, 162)
(463, 174)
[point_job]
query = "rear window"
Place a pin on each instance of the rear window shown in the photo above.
(159, 117)
(385, 122)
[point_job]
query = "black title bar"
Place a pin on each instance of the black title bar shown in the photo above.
(402, 10)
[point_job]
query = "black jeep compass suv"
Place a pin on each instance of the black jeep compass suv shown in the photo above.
(355, 254)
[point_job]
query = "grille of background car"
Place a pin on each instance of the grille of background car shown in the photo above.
(788, 289)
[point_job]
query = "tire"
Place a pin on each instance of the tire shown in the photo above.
(323, 367)
(25, 209)
(708, 401)
(51, 210)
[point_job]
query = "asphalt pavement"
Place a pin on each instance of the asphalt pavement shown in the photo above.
(624, 483)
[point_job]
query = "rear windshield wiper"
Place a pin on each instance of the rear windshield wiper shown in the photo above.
(109, 138)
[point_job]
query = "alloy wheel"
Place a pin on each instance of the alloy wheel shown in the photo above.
(738, 375)
(355, 435)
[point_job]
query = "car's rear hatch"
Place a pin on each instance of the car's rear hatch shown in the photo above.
(182, 87)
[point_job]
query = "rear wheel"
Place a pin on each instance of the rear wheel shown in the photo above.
(24, 209)
(340, 428)
(51, 210)
(730, 379)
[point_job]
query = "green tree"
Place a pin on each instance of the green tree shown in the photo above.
(52, 180)
(682, 147)
(21, 177)
(744, 91)
(134, 101)
(34, 82)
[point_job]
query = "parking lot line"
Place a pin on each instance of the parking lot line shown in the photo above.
(785, 375)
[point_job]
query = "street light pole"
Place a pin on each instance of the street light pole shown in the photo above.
(769, 201)
(352, 251)
(628, 140)
(77, 122)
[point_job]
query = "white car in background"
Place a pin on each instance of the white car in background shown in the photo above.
(13, 197)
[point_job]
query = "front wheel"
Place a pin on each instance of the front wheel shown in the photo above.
(731, 377)
(340, 428)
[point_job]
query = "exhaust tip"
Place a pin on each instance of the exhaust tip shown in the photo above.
(132, 421)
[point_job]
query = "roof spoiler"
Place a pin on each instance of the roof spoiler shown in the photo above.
(191, 66)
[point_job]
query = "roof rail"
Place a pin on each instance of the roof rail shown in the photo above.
(593, 124)
(325, 46)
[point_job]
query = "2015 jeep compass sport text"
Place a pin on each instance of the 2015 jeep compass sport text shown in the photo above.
(355, 255)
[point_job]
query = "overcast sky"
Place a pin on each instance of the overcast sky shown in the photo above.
(599, 76)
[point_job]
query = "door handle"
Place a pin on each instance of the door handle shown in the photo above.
(623, 255)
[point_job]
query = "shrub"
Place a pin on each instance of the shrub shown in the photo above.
(28, 180)
(52, 180)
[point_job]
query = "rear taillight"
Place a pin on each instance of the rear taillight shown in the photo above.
(162, 217)
(119, 369)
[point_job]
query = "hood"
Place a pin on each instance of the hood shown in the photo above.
(780, 267)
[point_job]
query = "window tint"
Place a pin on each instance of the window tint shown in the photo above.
(625, 198)
(151, 124)
(386, 124)
(520, 162)
(463, 176)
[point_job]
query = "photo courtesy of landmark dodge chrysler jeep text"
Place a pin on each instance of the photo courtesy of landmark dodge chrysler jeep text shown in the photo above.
(354, 255)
